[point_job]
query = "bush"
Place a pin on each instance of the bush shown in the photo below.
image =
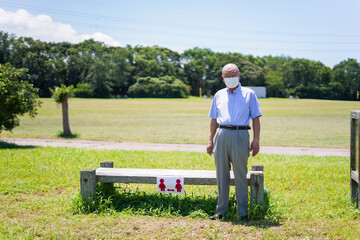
(84, 90)
(318, 92)
(17, 96)
(163, 87)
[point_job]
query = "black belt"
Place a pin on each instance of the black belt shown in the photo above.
(239, 127)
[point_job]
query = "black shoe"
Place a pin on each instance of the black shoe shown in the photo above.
(244, 218)
(216, 216)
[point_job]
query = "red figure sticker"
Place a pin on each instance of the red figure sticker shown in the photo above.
(162, 185)
(178, 185)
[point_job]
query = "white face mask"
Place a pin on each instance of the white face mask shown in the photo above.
(231, 82)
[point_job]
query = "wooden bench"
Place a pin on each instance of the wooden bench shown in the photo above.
(108, 174)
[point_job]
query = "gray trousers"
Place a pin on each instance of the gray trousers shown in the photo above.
(231, 146)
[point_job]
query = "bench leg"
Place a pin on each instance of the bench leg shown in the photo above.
(108, 187)
(88, 184)
(354, 191)
(257, 188)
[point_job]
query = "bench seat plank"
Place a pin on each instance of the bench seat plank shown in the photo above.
(148, 176)
(108, 175)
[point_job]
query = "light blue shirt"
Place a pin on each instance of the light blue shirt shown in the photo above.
(236, 108)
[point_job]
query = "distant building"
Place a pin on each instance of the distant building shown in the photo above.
(259, 91)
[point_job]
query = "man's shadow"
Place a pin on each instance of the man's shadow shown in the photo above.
(6, 145)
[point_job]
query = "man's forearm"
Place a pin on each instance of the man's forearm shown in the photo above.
(213, 126)
(256, 129)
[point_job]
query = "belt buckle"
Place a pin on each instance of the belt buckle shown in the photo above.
(229, 126)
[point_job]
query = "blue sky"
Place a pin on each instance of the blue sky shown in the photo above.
(326, 31)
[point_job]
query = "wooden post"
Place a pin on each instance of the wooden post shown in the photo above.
(354, 156)
(257, 184)
(108, 188)
(353, 183)
(257, 188)
(88, 184)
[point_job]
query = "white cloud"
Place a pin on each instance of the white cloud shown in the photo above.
(42, 27)
(98, 36)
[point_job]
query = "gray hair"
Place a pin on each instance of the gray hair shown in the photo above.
(230, 67)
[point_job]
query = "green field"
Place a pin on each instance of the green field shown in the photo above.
(285, 122)
(310, 198)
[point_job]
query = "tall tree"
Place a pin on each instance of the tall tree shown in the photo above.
(347, 77)
(34, 55)
(306, 78)
(275, 63)
(198, 64)
(100, 76)
(121, 78)
(154, 61)
(5, 47)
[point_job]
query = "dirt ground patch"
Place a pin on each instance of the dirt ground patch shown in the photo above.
(45, 214)
(186, 229)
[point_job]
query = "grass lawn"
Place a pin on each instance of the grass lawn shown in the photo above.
(285, 122)
(310, 198)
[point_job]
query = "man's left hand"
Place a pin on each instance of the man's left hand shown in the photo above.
(255, 147)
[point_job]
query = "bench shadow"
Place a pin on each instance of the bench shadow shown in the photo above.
(6, 145)
(194, 206)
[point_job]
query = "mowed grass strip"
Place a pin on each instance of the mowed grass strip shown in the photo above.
(285, 122)
(37, 186)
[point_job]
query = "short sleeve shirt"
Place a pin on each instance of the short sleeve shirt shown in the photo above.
(235, 108)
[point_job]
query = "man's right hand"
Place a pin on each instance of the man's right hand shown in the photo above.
(209, 148)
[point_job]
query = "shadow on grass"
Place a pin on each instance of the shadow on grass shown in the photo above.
(67, 136)
(6, 145)
(136, 202)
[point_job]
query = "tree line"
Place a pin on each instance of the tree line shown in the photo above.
(97, 70)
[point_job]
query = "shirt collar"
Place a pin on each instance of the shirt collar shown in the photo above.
(236, 90)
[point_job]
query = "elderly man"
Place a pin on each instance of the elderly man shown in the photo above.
(230, 113)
